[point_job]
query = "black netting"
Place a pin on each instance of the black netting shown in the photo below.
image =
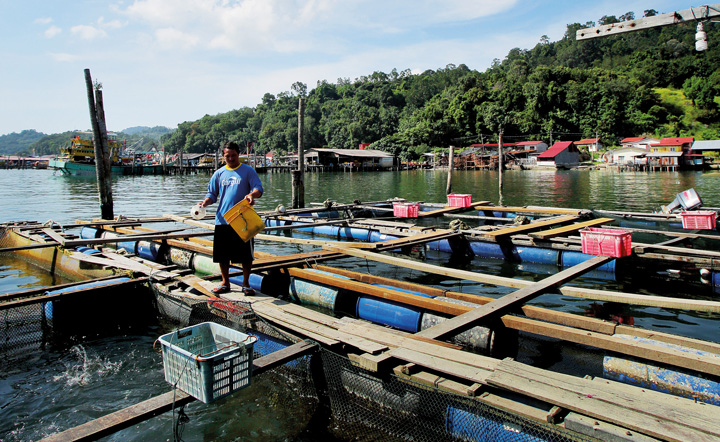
(366, 407)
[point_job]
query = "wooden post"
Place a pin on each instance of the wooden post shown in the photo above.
(102, 169)
(500, 159)
(448, 189)
(180, 158)
(298, 176)
(164, 162)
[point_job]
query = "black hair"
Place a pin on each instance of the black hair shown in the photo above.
(232, 145)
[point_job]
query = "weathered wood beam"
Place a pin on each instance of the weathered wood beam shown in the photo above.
(503, 305)
(577, 292)
(671, 18)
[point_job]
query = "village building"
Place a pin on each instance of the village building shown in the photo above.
(667, 154)
(365, 159)
(628, 156)
(705, 147)
(591, 144)
(562, 155)
(639, 142)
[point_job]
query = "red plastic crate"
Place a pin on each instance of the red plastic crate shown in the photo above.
(459, 200)
(406, 210)
(699, 219)
(606, 242)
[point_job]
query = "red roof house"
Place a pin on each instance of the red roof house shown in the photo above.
(563, 154)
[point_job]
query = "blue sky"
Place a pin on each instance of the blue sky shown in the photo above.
(163, 62)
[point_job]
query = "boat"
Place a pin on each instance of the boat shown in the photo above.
(78, 158)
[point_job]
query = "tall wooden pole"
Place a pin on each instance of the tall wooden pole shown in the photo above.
(448, 189)
(500, 164)
(102, 169)
(298, 176)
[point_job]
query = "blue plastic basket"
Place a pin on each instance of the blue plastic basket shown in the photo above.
(208, 361)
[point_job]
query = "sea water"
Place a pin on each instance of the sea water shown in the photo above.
(57, 387)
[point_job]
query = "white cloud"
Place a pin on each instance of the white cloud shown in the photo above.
(52, 31)
(87, 32)
(251, 26)
(172, 38)
(64, 57)
(43, 20)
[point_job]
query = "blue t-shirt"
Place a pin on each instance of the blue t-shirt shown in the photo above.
(229, 186)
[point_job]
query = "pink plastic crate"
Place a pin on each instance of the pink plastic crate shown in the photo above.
(406, 210)
(606, 242)
(699, 219)
(459, 200)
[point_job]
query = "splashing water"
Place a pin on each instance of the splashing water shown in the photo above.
(83, 369)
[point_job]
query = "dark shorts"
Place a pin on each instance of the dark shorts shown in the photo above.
(229, 247)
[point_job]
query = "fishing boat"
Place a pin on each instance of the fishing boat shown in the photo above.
(78, 158)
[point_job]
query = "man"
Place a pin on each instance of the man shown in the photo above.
(228, 186)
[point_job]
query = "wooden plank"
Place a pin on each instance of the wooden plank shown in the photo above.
(379, 292)
(435, 381)
(70, 293)
(531, 209)
(416, 239)
(565, 230)
(494, 235)
(587, 405)
(456, 369)
(451, 209)
(145, 410)
(40, 290)
(410, 341)
(624, 407)
(270, 310)
(670, 356)
(150, 237)
(54, 235)
(500, 306)
(314, 242)
(577, 292)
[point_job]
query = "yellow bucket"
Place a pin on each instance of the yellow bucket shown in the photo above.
(244, 220)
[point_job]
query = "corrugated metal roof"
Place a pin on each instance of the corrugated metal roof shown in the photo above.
(368, 153)
(676, 141)
(528, 143)
(587, 141)
(706, 145)
(556, 149)
(664, 154)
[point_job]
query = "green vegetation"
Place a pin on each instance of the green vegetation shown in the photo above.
(30, 142)
(650, 82)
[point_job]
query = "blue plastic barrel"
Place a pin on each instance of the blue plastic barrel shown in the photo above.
(48, 306)
(148, 250)
(539, 255)
(255, 280)
(487, 250)
(355, 233)
(570, 259)
(327, 230)
(128, 246)
(667, 380)
(89, 233)
(442, 245)
(393, 314)
(468, 425)
(87, 250)
(376, 236)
